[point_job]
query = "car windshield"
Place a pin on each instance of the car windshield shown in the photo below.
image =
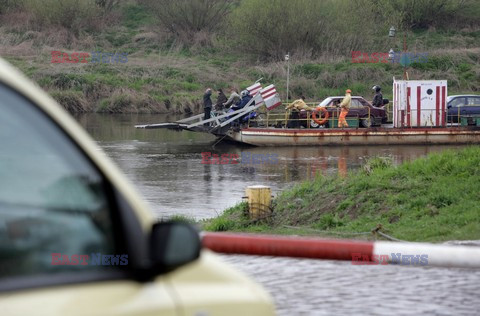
(325, 102)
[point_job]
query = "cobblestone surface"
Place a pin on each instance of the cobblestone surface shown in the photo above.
(323, 287)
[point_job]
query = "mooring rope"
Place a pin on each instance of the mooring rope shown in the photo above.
(213, 146)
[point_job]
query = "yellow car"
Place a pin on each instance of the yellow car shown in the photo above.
(76, 239)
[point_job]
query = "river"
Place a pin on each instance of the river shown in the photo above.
(166, 166)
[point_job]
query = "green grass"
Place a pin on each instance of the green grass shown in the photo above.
(136, 15)
(182, 218)
(430, 199)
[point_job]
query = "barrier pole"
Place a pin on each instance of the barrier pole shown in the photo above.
(440, 255)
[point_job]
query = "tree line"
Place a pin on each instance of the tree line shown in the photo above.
(267, 29)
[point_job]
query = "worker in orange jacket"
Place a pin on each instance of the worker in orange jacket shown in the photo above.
(345, 105)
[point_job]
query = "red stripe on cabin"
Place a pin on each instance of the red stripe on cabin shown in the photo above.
(443, 106)
(394, 102)
(408, 107)
(419, 107)
(266, 96)
(437, 106)
(267, 91)
(397, 104)
(274, 106)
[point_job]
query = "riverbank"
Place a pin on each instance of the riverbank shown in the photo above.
(429, 199)
(162, 76)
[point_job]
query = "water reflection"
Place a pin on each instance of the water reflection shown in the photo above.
(166, 166)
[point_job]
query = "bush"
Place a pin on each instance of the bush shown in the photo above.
(271, 28)
(72, 101)
(107, 5)
(71, 14)
(190, 21)
(423, 14)
(312, 28)
(8, 5)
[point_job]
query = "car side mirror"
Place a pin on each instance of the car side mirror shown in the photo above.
(449, 106)
(173, 244)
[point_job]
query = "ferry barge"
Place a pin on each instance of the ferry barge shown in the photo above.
(419, 117)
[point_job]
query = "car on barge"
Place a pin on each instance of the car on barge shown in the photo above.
(368, 114)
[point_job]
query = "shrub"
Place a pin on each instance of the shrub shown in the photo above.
(71, 14)
(107, 5)
(72, 101)
(423, 14)
(271, 28)
(8, 5)
(190, 21)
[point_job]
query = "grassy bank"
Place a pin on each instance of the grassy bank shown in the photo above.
(430, 199)
(163, 75)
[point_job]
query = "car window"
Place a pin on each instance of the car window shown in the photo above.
(326, 102)
(457, 102)
(363, 102)
(473, 101)
(356, 103)
(52, 199)
(334, 102)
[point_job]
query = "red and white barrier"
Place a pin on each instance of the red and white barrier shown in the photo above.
(281, 246)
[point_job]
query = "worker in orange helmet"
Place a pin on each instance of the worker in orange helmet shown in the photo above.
(345, 105)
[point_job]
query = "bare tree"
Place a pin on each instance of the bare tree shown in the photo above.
(186, 18)
(107, 5)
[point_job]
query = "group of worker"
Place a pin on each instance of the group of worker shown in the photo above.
(344, 105)
(234, 102)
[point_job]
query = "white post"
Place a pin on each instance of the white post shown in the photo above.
(287, 58)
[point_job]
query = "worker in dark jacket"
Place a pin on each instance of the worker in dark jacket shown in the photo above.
(245, 99)
(221, 99)
(378, 98)
(207, 104)
(234, 98)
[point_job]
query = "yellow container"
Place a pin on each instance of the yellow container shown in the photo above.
(259, 201)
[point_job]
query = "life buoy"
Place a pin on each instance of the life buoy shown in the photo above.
(325, 113)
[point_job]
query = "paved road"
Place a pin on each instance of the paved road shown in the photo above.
(323, 287)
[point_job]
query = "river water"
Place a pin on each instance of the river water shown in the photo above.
(166, 166)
